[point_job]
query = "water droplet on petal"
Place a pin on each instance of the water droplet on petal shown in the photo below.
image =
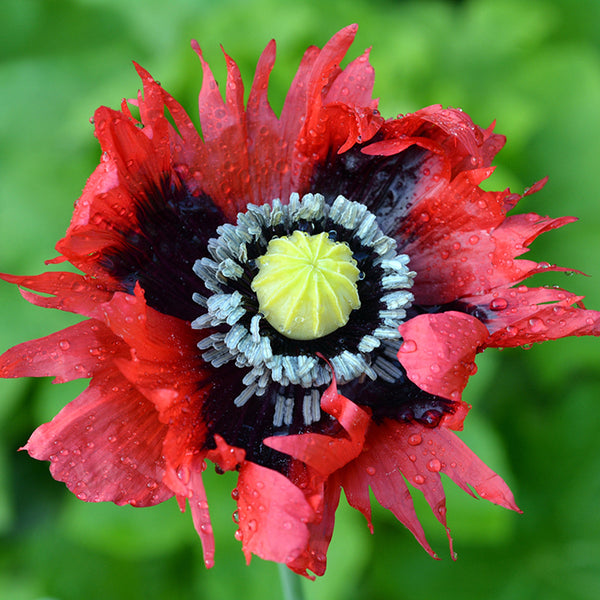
(434, 465)
(370, 470)
(536, 324)
(415, 439)
(498, 304)
(419, 479)
(408, 346)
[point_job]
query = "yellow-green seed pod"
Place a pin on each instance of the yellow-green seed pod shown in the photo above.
(306, 285)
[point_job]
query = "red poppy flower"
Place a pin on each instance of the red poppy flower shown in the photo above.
(249, 302)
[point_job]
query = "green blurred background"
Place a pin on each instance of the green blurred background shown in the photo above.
(535, 67)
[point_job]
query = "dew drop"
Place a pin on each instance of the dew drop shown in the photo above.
(419, 479)
(206, 527)
(183, 473)
(415, 439)
(370, 470)
(252, 525)
(536, 324)
(434, 465)
(408, 346)
(498, 304)
(64, 344)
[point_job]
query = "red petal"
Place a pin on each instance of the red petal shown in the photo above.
(314, 557)
(477, 253)
(152, 113)
(227, 457)
(140, 159)
(165, 367)
(447, 131)
(106, 445)
(377, 468)
(199, 507)
(419, 454)
(153, 335)
(439, 350)
(307, 104)
(326, 453)
(76, 352)
(70, 292)
(466, 469)
(273, 515)
(522, 315)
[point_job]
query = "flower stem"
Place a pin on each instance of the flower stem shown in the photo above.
(290, 584)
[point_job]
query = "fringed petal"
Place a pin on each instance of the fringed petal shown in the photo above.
(106, 445)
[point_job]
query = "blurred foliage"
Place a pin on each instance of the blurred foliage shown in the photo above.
(535, 67)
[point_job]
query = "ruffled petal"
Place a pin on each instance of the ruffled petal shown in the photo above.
(478, 252)
(314, 557)
(312, 92)
(396, 452)
(522, 315)
(189, 486)
(376, 468)
(68, 291)
(106, 445)
(438, 351)
(273, 515)
(164, 366)
(325, 453)
(73, 353)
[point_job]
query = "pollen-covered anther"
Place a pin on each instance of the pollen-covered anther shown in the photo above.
(306, 285)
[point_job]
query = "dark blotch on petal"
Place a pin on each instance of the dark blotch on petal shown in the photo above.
(384, 184)
(401, 401)
(170, 230)
(248, 425)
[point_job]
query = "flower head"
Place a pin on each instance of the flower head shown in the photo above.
(299, 298)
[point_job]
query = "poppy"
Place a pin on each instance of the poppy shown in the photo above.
(298, 298)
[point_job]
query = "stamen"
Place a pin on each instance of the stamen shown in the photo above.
(278, 414)
(246, 394)
(307, 409)
(305, 234)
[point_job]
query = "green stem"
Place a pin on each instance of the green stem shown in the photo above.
(290, 584)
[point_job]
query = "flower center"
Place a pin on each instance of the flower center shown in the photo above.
(292, 283)
(306, 285)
